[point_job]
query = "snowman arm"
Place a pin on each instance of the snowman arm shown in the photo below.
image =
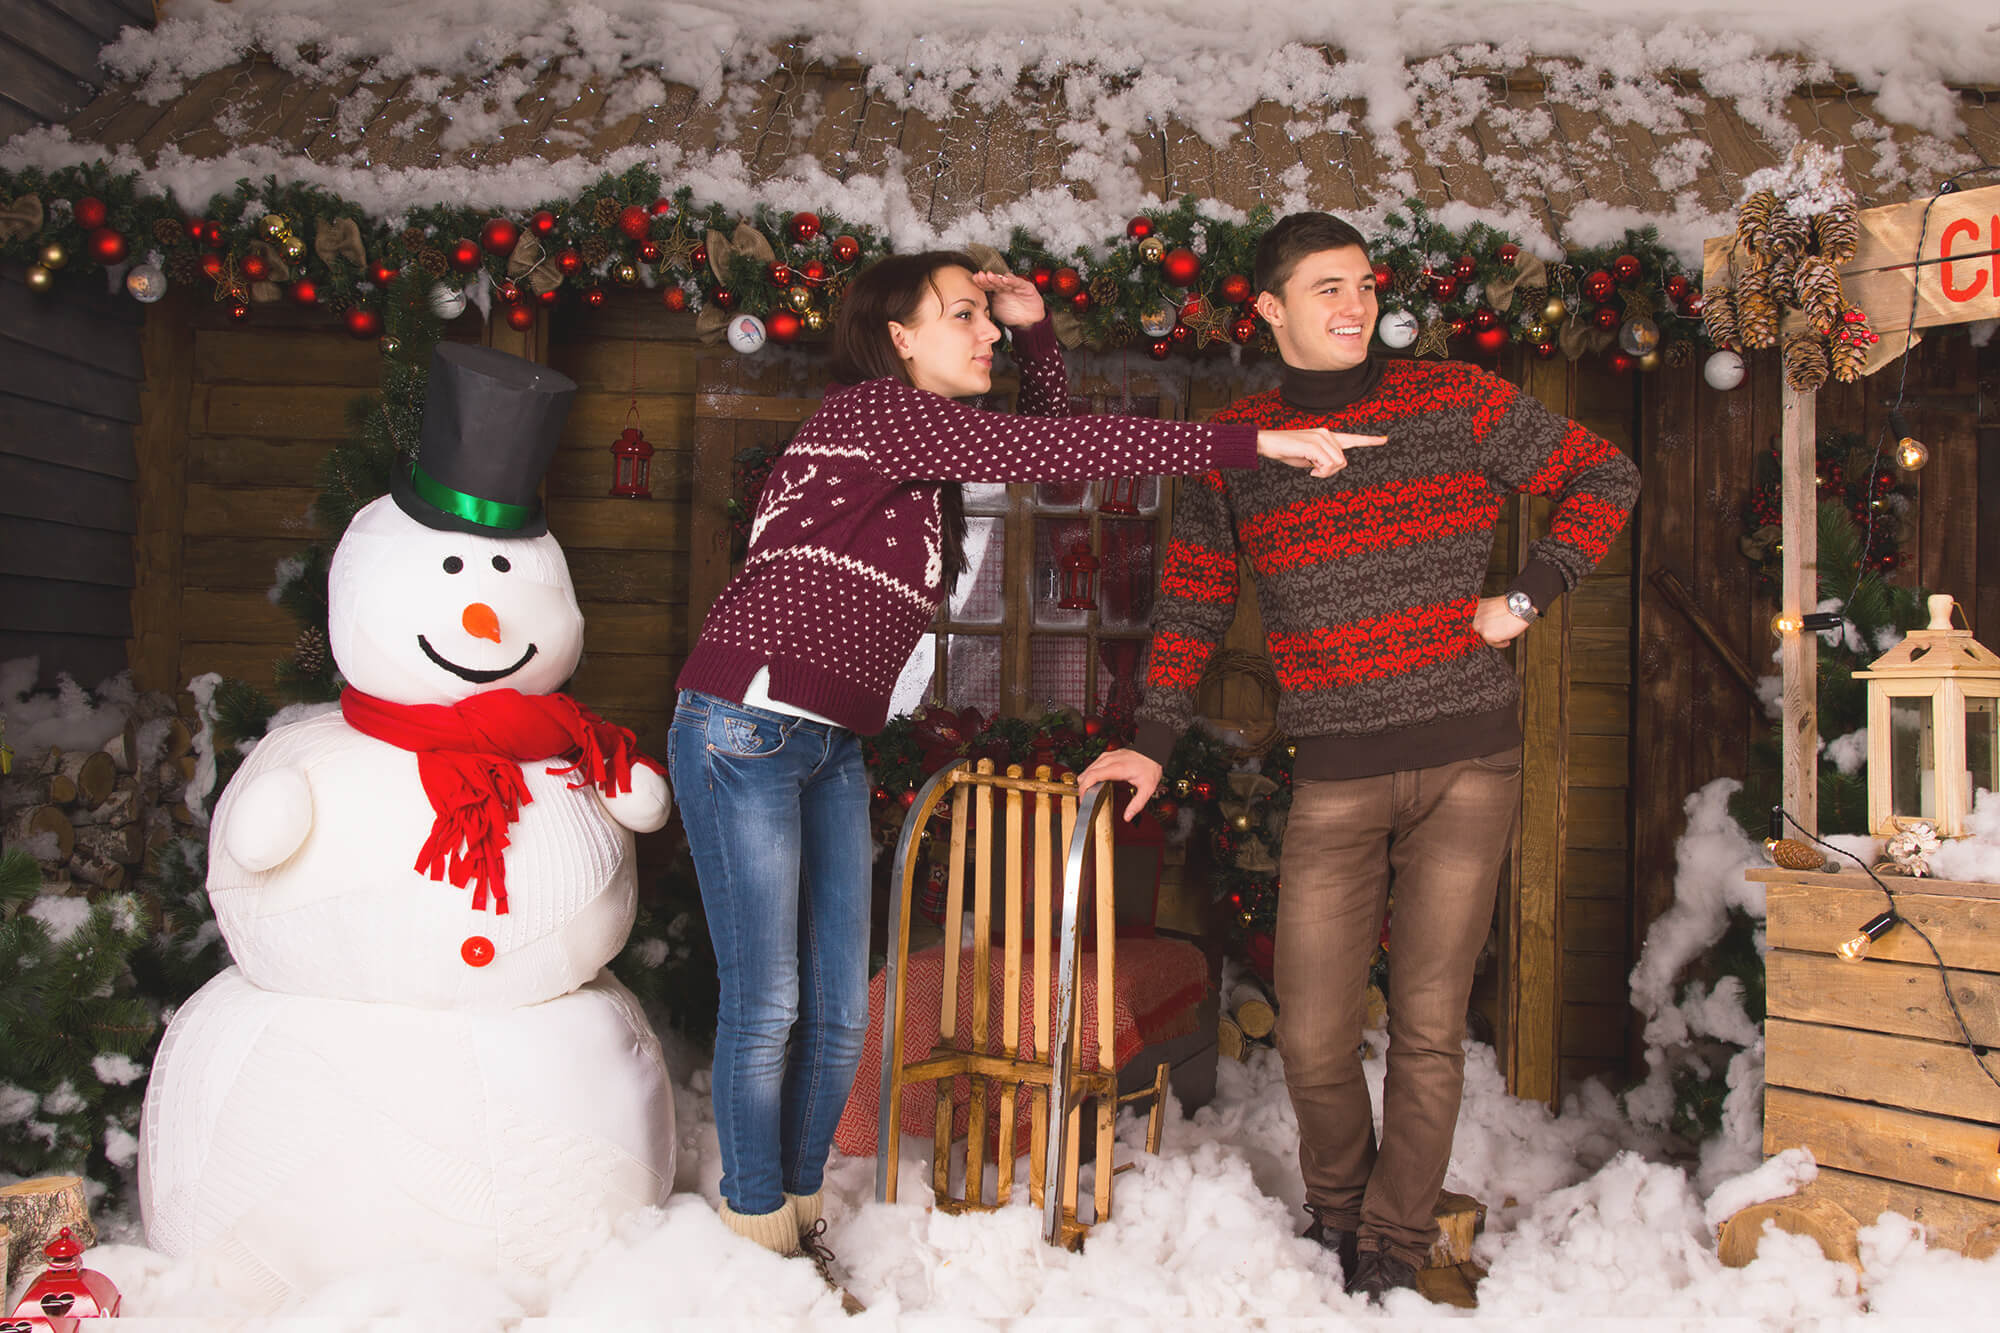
(646, 806)
(269, 818)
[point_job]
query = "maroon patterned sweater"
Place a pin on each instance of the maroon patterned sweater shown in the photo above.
(1367, 582)
(845, 568)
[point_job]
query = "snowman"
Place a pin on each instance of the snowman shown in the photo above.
(419, 1054)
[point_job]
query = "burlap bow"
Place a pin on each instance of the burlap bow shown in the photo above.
(745, 240)
(1530, 274)
(527, 266)
(339, 238)
(20, 217)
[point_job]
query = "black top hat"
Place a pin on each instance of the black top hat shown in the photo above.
(491, 423)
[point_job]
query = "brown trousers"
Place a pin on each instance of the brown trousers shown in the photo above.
(1439, 835)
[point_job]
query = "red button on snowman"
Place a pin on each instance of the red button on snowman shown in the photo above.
(419, 1052)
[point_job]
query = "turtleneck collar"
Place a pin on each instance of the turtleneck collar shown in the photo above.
(1329, 390)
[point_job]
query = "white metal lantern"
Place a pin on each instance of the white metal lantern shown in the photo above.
(1933, 727)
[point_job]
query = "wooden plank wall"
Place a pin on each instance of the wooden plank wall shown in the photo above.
(48, 55)
(70, 372)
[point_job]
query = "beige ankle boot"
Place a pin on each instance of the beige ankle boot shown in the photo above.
(809, 1209)
(777, 1230)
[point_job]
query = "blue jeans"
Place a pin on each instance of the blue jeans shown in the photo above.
(776, 810)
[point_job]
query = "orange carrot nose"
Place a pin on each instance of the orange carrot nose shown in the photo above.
(481, 623)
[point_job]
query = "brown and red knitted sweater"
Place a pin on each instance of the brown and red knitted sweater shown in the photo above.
(845, 568)
(1367, 581)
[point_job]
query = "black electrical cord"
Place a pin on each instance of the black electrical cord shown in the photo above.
(1944, 974)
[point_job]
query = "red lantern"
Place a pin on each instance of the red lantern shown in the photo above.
(107, 246)
(256, 268)
(67, 1290)
(813, 273)
(1139, 228)
(1385, 278)
(464, 255)
(1490, 340)
(1509, 253)
(780, 273)
(1120, 496)
(90, 212)
(1625, 269)
(1605, 317)
(674, 298)
(649, 251)
(569, 263)
(783, 326)
(804, 227)
(1243, 330)
(500, 236)
(1235, 289)
(521, 317)
(382, 274)
(593, 297)
(305, 292)
(1079, 577)
(1180, 267)
(1464, 268)
(1599, 286)
(1067, 281)
(544, 223)
(661, 207)
(631, 464)
(846, 249)
(1158, 349)
(363, 322)
(635, 222)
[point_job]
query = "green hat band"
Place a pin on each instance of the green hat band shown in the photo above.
(487, 513)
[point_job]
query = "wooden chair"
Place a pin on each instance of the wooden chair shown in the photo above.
(964, 1049)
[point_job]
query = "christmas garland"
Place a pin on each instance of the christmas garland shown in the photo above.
(1176, 282)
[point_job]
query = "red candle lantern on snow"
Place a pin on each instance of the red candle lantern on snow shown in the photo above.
(1079, 577)
(67, 1290)
(631, 464)
(1120, 497)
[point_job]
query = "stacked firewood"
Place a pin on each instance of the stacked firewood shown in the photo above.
(96, 818)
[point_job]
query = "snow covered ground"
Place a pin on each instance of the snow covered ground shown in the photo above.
(1586, 1228)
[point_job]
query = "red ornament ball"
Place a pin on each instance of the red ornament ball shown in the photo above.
(1691, 303)
(1203, 789)
(1158, 349)
(846, 249)
(1042, 278)
(674, 299)
(661, 207)
(543, 222)
(256, 267)
(507, 291)
(1080, 300)
(804, 227)
(382, 274)
(1180, 267)
(90, 212)
(698, 256)
(1509, 253)
(1599, 286)
(500, 236)
(1067, 281)
(1483, 318)
(521, 317)
(1464, 268)
(464, 255)
(1092, 725)
(1545, 349)
(635, 222)
(1625, 268)
(1621, 364)
(364, 322)
(649, 252)
(1605, 317)
(780, 274)
(1235, 289)
(108, 247)
(724, 298)
(305, 292)
(569, 263)
(212, 235)
(907, 798)
(1677, 287)
(1490, 340)
(1444, 286)
(783, 326)
(1385, 278)
(813, 273)
(549, 297)
(239, 312)
(1139, 228)
(211, 265)
(1180, 335)
(1243, 330)
(593, 297)
(1169, 809)
(1458, 327)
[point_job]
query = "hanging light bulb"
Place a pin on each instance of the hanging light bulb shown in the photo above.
(1876, 927)
(1911, 452)
(1786, 623)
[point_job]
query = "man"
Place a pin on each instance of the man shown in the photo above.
(1405, 717)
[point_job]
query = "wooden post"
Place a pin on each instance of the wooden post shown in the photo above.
(1798, 457)
(160, 449)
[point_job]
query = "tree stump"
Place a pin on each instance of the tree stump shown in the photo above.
(91, 774)
(1826, 1222)
(1253, 1012)
(1460, 1218)
(27, 824)
(36, 1211)
(1228, 1038)
(124, 748)
(117, 810)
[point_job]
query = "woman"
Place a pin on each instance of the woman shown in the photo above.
(857, 538)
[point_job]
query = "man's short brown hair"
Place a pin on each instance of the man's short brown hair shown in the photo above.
(1295, 236)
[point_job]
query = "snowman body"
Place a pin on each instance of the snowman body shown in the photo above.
(389, 1072)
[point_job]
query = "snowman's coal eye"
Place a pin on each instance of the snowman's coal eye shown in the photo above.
(452, 564)
(501, 563)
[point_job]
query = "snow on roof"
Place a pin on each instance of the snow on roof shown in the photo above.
(1565, 123)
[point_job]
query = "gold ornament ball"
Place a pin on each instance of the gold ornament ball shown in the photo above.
(1152, 250)
(274, 226)
(1650, 361)
(295, 249)
(625, 274)
(1535, 333)
(391, 344)
(1241, 823)
(815, 320)
(800, 297)
(1245, 918)
(1291, 752)
(1183, 787)
(1554, 311)
(39, 278)
(53, 256)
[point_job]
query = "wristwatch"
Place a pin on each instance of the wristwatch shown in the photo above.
(1518, 603)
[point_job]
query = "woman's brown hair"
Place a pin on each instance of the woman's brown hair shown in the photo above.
(892, 289)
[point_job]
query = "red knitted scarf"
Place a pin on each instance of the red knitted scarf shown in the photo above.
(469, 755)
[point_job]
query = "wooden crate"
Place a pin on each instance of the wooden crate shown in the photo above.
(1865, 1065)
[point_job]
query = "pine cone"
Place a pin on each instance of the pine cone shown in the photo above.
(1781, 280)
(432, 261)
(1847, 356)
(168, 232)
(1818, 286)
(1756, 312)
(183, 267)
(413, 238)
(1789, 234)
(1679, 354)
(1837, 234)
(1753, 220)
(309, 653)
(606, 212)
(1805, 362)
(1718, 317)
(1103, 289)
(595, 251)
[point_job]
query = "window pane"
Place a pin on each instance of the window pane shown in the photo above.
(1125, 574)
(1913, 782)
(1056, 672)
(1055, 538)
(985, 497)
(978, 598)
(1061, 494)
(1118, 665)
(972, 672)
(1982, 743)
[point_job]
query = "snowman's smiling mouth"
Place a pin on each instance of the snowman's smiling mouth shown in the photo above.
(468, 673)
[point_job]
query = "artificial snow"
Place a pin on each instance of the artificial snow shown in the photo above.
(69, 718)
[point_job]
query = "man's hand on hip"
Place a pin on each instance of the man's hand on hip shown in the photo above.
(1496, 624)
(1124, 766)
